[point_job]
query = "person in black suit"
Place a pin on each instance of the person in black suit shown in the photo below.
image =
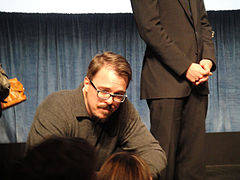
(178, 61)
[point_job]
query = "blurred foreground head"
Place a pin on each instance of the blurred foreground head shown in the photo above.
(57, 158)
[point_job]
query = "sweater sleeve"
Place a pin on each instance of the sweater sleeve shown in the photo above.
(50, 120)
(137, 138)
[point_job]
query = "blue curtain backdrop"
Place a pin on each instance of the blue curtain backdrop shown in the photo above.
(50, 52)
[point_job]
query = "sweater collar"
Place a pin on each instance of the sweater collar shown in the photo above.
(80, 107)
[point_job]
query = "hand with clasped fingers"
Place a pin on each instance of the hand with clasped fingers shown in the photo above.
(199, 73)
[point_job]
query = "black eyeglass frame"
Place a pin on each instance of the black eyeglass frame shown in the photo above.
(110, 94)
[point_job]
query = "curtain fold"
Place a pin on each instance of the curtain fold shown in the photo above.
(224, 108)
(50, 52)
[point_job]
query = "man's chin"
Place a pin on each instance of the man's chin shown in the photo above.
(102, 116)
(101, 119)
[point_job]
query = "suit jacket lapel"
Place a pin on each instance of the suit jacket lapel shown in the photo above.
(194, 10)
(186, 9)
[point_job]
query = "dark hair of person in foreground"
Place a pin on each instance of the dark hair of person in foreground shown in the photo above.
(61, 158)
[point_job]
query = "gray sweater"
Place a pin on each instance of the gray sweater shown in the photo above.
(63, 113)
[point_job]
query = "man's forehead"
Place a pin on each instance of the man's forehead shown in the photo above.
(108, 78)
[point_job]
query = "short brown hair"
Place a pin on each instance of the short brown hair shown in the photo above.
(116, 61)
(124, 165)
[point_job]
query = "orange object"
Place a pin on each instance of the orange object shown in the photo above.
(16, 94)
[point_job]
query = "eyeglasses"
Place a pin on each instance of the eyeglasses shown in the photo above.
(106, 95)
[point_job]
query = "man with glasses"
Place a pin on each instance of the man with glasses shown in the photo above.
(99, 112)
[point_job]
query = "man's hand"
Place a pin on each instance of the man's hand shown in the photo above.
(199, 73)
(207, 65)
(195, 72)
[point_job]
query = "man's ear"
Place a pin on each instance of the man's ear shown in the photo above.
(86, 83)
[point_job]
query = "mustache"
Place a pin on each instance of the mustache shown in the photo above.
(108, 107)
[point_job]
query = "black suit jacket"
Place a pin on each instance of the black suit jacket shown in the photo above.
(175, 39)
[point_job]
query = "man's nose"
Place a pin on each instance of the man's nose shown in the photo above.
(109, 100)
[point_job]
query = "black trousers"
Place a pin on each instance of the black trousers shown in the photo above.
(179, 126)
